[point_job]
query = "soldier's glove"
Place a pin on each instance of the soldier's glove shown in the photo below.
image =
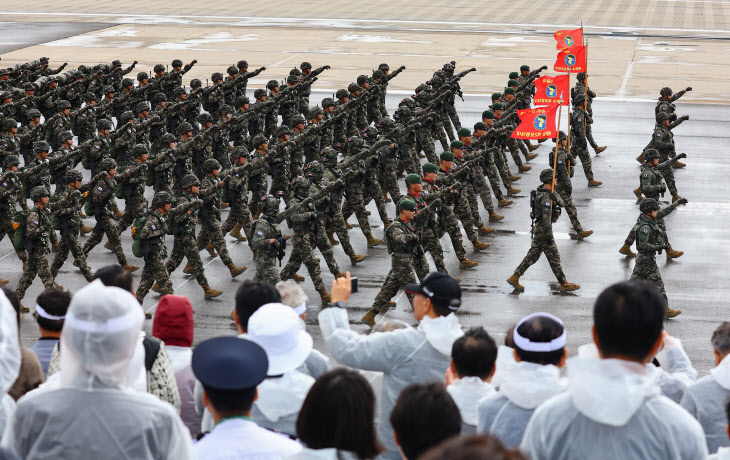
(194, 61)
(682, 201)
(662, 189)
(685, 117)
(682, 155)
(134, 63)
(543, 67)
(689, 88)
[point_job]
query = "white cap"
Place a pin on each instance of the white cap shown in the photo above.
(276, 327)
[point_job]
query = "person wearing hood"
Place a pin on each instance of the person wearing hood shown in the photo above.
(173, 324)
(705, 400)
(473, 356)
(9, 358)
(404, 356)
(723, 453)
(93, 414)
(539, 351)
(276, 328)
(612, 407)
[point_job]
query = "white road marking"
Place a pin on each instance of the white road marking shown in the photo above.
(629, 71)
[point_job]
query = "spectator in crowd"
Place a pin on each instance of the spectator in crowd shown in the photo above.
(276, 328)
(423, 416)
(467, 379)
(173, 324)
(93, 415)
(706, 399)
(337, 419)
(50, 310)
(539, 350)
(483, 447)
(612, 408)
(404, 356)
(671, 369)
(505, 359)
(723, 453)
(31, 371)
(9, 357)
(230, 369)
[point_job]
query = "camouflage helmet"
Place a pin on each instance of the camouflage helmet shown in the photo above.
(142, 76)
(184, 127)
(341, 94)
(179, 91)
(72, 175)
(579, 99)
(34, 113)
(210, 165)
(582, 76)
(242, 100)
(126, 117)
(271, 84)
(297, 120)
(353, 88)
(661, 117)
(328, 102)
(64, 105)
(204, 118)
(648, 205)
(295, 72)
(270, 205)
(385, 125)
(370, 133)
(305, 66)
(258, 140)
(242, 64)
(107, 164)
(329, 154)
(141, 107)
(89, 96)
(561, 136)
(216, 76)
(38, 192)
(127, 82)
(167, 139)
(353, 143)
(403, 113)
(314, 111)
(108, 89)
(362, 79)
(139, 150)
(259, 93)
(190, 180)
(315, 170)
(9, 123)
(300, 186)
(666, 91)
(378, 75)
(159, 68)
(292, 80)
(224, 109)
(10, 161)
(546, 176)
(41, 146)
(239, 152)
(650, 155)
(161, 198)
(195, 83)
(177, 63)
(103, 124)
(159, 97)
(384, 67)
(282, 131)
(65, 136)
(232, 70)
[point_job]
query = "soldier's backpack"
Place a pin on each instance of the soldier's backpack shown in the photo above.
(19, 221)
(136, 240)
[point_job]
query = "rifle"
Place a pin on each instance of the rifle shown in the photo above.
(310, 199)
(454, 174)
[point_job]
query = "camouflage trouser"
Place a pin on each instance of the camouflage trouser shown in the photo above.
(258, 190)
(222, 155)
(266, 269)
(411, 162)
(37, 265)
(589, 136)
(432, 245)
(281, 181)
(374, 192)
(500, 162)
(463, 212)
(471, 198)
(400, 274)
(631, 237)
(581, 151)
(106, 225)
(668, 174)
(374, 114)
(522, 144)
(450, 224)
(514, 150)
(186, 246)
(570, 209)
(134, 208)
(481, 188)
(301, 252)
(493, 175)
(425, 140)
(154, 270)
(70, 242)
(354, 204)
(543, 242)
(322, 243)
(389, 181)
(646, 269)
(441, 135)
(6, 228)
(239, 214)
(446, 123)
(361, 120)
(210, 232)
(451, 110)
(336, 223)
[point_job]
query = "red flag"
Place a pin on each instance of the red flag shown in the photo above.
(536, 123)
(568, 38)
(571, 59)
(549, 89)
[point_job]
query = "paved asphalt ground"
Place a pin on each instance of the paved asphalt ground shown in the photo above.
(696, 283)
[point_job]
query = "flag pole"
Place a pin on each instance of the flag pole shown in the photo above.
(555, 157)
(569, 103)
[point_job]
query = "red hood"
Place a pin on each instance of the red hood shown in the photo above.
(173, 323)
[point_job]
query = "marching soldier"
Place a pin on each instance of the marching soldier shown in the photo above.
(578, 142)
(563, 187)
(267, 242)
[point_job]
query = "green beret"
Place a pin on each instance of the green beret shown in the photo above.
(446, 156)
(430, 168)
(488, 114)
(497, 106)
(463, 132)
(405, 203)
(514, 75)
(524, 67)
(496, 96)
(479, 126)
(413, 179)
(513, 82)
(457, 145)
(509, 90)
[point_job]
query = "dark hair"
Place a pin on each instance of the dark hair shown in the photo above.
(540, 329)
(55, 302)
(115, 276)
(629, 318)
(474, 353)
(231, 402)
(14, 301)
(339, 412)
(423, 416)
(509, 340)
(473, 447)
(250, 296)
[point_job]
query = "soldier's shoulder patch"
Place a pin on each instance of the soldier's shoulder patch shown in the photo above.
(35, 222)
(99, 188)
(153, 227)
(260, 233)
(645, 175)
(645, 230)
(547, 204)
(658, 134)
(560, 162)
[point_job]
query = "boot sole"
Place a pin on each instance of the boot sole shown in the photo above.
(516, 286)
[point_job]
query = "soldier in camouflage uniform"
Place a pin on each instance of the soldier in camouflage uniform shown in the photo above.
(85, 119)
(11, 190)
(210, 236)
(57, 124)
(580, 88)
(267, 241)
(32, 132)
(239, 127)
(132, 181)
(271, 113)
(183, 156)
(479, 185)
(236, 190)
(491, 170)
(663, 141)
(37, 228)
(649, 241)
(221, 138)
(546, 211)
(500, 159)
(402, 244)
(666, 102)
(152, 240)
(8, 141)
(563, 172)
(27, 103)
(257, 175)
(279, 162)
(64, 158)
(160, 171)
(578, 143)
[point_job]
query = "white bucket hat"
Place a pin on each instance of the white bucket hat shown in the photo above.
(277, 328)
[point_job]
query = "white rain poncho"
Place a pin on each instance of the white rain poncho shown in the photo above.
(612, 409)
(9, 357)
(706, 401)
(466, 393)
(279, 401)
(404, 356)
(525, 386)
(94, 413)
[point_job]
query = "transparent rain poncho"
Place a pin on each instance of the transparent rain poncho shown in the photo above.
(9, 357)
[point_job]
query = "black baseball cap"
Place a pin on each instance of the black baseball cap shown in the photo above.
(442, 289)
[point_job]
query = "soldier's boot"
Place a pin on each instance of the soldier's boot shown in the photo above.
(86, 229)
(57, 286)
(130, 268)
(594, 183)
(600, 149)
(503, 202)
(348, 225)
(671, 313)
(368, 213)
(484, 230)
(672, 254)
(640, 158)
(54, 246)
(82, 213)
(286, 236)
(340, 275)
(211, 250)
(530, 148)
(566, 286)
(3, 282)
(188, 270)
(584, 233)
(323, 295)
(626, 250)
(514, 281)
(331, 237)
(224, 205)
(235, 271)
(531, 156)
(637, 192)
(297, 278)
(23, 308)
(156, 287)
(108, 245)
(117, 213)
(494, 217)
(355, 258)
(372, 241)
(678, 164)
(385, 196)
(386, 223)
(466, 263)
(209, 292)
(512, 177)
(236, 233)
(369, 318)
(524, 168)
(478, 245)
(676, 197)
(513, 191)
